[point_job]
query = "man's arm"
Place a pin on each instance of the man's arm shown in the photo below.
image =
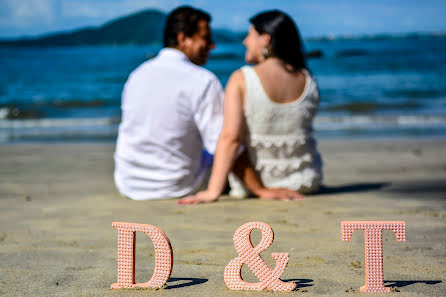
(208, 115)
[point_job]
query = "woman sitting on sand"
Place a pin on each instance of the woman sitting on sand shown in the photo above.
(269, 109)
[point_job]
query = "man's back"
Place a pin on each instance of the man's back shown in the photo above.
(171, 110)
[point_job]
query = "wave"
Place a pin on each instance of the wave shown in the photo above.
(16, 112)
(383, 36)
(54, 123)
(58, 129)
(352, 53)
(39, 109)
(367, 107)
(77, 103)
(106, 128)
(4, 113)
(413, 93)
(320, 120)
(227, 56)
(380, 122)
(376, 53)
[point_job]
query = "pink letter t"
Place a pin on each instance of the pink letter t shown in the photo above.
(373, 243)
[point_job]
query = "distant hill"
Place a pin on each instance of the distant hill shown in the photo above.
(145, 27)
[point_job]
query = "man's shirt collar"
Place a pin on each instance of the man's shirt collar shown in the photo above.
(173, 53)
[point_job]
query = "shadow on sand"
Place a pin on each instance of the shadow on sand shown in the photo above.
(399, 284)
(351, 188)
(184, 282)
(426, 189)
(300, 282)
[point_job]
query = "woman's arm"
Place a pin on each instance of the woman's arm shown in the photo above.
(228, 143)
(226, 152)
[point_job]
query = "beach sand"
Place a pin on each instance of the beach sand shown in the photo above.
(58, 201)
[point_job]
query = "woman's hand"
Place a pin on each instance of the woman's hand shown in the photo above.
(283, 194)
(201, 197)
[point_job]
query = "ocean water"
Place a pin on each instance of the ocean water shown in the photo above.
(394, 87)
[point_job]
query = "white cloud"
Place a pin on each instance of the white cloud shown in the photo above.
(93, 13)
(104, 9)
(30, 12)
(32, 17)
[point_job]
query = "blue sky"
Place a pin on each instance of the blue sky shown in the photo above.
(314, 17)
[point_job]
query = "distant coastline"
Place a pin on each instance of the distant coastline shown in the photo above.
(145, 28)
(141, 28)
(379, 36)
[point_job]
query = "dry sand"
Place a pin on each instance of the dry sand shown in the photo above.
(57, 203)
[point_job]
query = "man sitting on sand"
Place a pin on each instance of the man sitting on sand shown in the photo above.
(172, 109)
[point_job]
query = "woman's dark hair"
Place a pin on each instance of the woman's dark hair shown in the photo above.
(286, 43)
(183, 19)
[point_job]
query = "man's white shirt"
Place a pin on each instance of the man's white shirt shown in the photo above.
(172, 109)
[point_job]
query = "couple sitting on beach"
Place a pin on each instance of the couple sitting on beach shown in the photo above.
(260, 129)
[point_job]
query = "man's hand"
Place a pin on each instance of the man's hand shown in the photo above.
(200, 197)
(279, 194)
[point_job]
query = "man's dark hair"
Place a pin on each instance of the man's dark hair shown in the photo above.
(183, 19)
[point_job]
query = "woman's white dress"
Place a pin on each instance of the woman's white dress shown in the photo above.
(279, 138)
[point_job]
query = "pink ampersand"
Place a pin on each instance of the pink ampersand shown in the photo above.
(250, 255)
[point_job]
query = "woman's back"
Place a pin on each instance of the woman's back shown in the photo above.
(280, 85)
(279, 114)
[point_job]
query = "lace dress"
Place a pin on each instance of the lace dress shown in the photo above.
(279, 138)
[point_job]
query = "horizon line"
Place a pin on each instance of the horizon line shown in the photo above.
(329, 36)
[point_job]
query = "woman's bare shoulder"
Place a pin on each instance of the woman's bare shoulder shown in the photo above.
(237, 77)
(236, 87)
(237, 80)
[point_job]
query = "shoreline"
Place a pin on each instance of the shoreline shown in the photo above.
(58, 201)
(328, 139)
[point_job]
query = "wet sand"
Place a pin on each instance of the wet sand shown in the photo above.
(58, 201)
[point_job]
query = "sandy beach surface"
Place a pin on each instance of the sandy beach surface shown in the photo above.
(58, 202)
